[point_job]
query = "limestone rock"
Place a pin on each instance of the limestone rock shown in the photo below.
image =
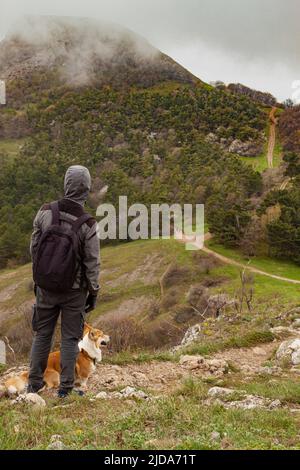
(230, 398)
(282, 332)
(127, 392)
(191, 335)
(131, 392)
(221, 392)
(289, 350)
(251, 402)
(247, 149)
(215, 436)
(211, 138)
(102, 396)
(212, 366)
(32, 399)
(56, 443)
(275, 370)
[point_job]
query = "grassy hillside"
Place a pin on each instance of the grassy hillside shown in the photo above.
(145, 312)
(137, 119)
(173, 422)
(144, 295)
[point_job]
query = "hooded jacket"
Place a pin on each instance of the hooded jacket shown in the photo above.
(77, 187)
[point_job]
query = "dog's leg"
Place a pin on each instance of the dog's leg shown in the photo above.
(51, 378)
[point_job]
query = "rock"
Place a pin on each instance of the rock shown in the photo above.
(216, 366)
(289, 350)
(56, 443)
(275, 404)
(191, 335)
(115, 395)
(296, 323)
(251, 402)
(211, 138)
(191, 362)
(131, 392)
(102, 396)
(275, 370)
(220, 392)
(220, 395)
(212, 366)
(248, 149)
(281, 332)
(215, 436)
(127, 392)
(32, 399)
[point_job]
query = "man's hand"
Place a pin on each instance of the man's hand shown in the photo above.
(91, 302)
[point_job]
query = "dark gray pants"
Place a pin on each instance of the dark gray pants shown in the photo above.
(48, 307)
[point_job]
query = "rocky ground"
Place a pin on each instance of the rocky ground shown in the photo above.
(237, 398)
(164, 377)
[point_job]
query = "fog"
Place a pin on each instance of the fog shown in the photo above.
(255, 42)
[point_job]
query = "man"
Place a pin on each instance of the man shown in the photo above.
(73, 303)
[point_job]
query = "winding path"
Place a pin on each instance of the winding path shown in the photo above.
(233, 262)
(272, 137)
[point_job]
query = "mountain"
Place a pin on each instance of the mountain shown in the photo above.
(81, 52)
(266, 99)
(79, 91)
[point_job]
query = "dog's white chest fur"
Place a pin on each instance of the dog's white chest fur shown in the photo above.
(90, 348)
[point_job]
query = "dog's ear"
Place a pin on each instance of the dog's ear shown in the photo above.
(92, 334)
(86, 329)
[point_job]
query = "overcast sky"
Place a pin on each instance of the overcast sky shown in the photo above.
(255, 42)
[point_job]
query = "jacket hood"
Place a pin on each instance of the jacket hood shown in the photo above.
(77, 183)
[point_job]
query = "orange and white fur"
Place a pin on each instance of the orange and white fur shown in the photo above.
(89, 354)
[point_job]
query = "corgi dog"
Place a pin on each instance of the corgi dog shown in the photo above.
(89, 354)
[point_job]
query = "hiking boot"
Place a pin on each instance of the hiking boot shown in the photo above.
(63, 393)
(34, 388)
(66, 393)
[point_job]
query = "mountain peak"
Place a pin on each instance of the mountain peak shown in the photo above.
(84, 51)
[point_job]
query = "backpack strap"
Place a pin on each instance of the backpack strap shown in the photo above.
(55, 213)
(57, 217)
(80, 221)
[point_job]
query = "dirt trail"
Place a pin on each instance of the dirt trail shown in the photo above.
(272, 137)
(232, 262)
(165, 377)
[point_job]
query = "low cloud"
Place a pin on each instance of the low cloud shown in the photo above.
(257, 36)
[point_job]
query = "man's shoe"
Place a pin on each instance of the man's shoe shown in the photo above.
(34, 388)
(63, 393)
(66, 393)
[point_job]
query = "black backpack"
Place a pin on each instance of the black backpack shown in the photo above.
(58, 253)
